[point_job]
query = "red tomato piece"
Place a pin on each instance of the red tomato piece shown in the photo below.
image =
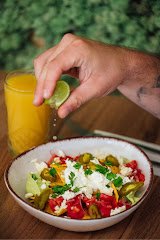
(128, 205)
(141, 177)
(120, 203)
(105, 209)
(114, 203)
(132, 164)
(106, 198)
(76, 158)
(74, 208)
(55, 202)
(88, 201)
(50, 161)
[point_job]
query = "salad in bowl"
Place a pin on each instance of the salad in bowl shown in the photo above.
(81, 184)
(84, 186)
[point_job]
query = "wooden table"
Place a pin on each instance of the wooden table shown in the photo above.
(114, 114)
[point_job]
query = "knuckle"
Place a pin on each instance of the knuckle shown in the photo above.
(68, 36)
(79, 43)
(51, 65)
(77, 102)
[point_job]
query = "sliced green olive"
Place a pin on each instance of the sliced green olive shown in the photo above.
(94, 212)
(41, 200)
(129, 187)
(45, 174)
(113, 160)
(85, 158)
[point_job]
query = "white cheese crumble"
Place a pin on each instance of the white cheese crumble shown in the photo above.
(125, 171)
(43, 186)
(86, 183)
(58, 209)
(40, 166)
(68, 195)
(95, 160)
(28, 195)
(60, 153)
(57, 160)
(126, 180)
(117, 210)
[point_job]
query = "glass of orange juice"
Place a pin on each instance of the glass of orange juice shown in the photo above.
(28, 126)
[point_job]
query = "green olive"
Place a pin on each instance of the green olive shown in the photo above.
(113, 160)
(94, 212)
(45, 174)
(129, 187)
(41, 200)
(85, 158)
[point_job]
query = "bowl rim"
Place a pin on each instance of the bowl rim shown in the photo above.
(13, 193)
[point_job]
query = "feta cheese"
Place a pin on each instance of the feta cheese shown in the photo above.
(28, 195)
(87, 183)
(125, 171)
(126, 180)
(40, 166)
(58, 209)
(95, 160)
(60, 153)
(43, 186)
(57, 160)
(68, 195)
(117, 210)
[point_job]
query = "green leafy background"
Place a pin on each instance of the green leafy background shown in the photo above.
(28, 27)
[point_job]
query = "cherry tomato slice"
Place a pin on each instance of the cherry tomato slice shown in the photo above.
(132, 164)
(74, 208)
(55, 202)
(105, 209)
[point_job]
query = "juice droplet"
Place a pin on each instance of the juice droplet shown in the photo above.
(55, 138)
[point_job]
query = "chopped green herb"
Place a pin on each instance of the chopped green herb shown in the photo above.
(107, 186)
(88, 171)
(34, 176)
(71, 177)
(111, 176)
(61, 189)
(52, 171)
(77, 165)
(54, 195)
(108, 163)
(101, 169)
(76, 189)
(98, 195)
(118, 182)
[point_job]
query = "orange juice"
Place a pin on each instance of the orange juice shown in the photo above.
(28, 126)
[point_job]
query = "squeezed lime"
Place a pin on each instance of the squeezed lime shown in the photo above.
(60, 95)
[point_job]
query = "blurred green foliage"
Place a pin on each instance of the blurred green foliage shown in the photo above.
(28, 27)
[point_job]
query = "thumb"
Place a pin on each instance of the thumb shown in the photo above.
(78, 97)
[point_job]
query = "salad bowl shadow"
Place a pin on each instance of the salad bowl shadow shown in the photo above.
(16, 172)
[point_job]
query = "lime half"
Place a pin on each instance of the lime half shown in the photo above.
(60, 95)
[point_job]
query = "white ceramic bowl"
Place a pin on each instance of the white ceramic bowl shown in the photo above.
(15, 177)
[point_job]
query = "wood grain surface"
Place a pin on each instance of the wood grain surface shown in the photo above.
(111, 113)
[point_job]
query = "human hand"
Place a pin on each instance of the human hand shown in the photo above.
(100, 68)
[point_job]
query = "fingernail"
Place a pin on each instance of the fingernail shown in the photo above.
(46, 93)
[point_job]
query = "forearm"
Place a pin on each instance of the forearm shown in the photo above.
(142, 84)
